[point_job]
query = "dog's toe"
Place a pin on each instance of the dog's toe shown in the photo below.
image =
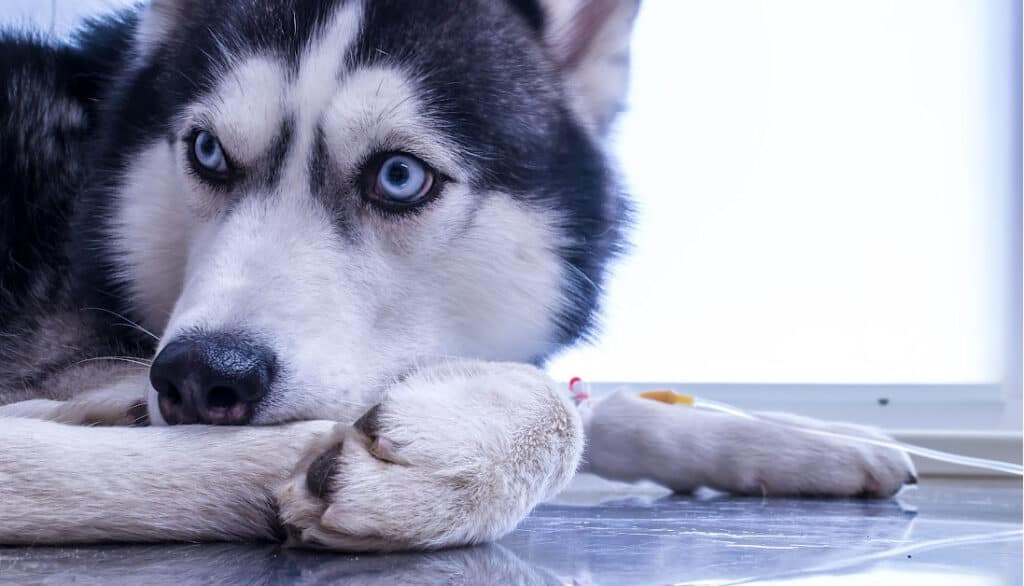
(321, 473)
(369, 424)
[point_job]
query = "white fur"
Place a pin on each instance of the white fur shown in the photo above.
(247, 109)
(122, 403)
(469, 449)
(594, 53)
(156, 22)
(151, 229)
(345, 316)
(67, 484)
(381, 106)
(632, 438)
(480, 445)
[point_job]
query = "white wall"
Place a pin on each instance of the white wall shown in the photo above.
(824, 188)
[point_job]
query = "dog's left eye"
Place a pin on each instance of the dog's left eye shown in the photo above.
(208, 154)
(400, 180)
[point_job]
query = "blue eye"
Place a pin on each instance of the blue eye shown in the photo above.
(209, 154)
(402, 179)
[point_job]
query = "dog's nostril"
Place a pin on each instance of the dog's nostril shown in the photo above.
(170, 394)
(222, 397)
(167, 390)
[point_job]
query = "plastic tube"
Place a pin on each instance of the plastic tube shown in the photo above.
(995, 465)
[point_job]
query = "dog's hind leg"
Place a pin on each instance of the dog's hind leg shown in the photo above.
(631, 438)
(120, 404)
(43, 409)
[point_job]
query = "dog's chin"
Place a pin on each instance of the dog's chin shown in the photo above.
(156, 419)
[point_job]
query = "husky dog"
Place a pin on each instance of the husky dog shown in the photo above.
(347, 233)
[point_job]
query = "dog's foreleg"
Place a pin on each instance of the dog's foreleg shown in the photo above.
(631, 438)
(63, 484)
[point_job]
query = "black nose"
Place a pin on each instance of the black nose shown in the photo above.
(216, 379)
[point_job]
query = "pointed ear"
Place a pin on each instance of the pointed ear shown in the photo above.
(590, 40)
(157, 20)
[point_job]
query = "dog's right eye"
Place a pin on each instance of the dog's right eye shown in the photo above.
(208, 157)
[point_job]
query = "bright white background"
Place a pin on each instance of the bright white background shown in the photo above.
(825, 193)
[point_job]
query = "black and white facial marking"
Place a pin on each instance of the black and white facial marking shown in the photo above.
(360, 185)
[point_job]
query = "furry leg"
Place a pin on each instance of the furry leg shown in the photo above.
(453, 455)
(121, 404)
(631, 438)
(62, 484)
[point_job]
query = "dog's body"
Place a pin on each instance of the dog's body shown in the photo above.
(305, 211)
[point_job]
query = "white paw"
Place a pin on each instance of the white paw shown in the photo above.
(787, 461)
(683, 448)
(454, 455)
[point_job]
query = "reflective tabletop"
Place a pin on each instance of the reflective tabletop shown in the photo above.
(943, 532)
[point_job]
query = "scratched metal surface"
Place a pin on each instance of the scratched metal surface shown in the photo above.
(944, 533)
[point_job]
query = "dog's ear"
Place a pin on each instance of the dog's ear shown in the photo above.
(590, 40)
(157, 22)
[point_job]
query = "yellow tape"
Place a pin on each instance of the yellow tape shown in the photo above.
(668, 397)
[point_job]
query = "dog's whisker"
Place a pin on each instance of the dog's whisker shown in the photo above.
(137, 361)
(129, 323)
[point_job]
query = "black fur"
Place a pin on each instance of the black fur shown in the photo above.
(482, 62)
(48, 124)
(533, 13)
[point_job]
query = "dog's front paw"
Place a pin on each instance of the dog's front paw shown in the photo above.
(452, 456)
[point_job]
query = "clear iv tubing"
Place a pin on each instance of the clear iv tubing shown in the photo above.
(969, 461)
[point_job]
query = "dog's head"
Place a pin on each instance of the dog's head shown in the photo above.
(306, 198)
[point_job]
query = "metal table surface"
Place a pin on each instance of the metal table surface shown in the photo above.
(944, 532)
